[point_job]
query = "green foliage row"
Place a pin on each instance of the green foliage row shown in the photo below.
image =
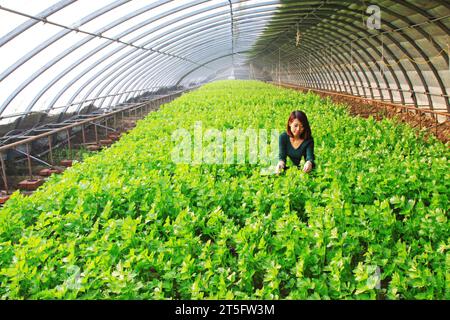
(370, 222)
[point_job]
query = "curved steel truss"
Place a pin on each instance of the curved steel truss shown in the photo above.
(55, 62)
(331, 45)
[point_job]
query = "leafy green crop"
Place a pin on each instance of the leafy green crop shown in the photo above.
(370, 222)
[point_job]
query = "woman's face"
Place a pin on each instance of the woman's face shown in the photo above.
(296, 127)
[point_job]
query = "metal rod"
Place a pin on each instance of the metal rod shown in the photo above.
(436, 123)
(83, 133)
(29, 162)
(420, 119)
(5, 180)
(69, 145)
(104, 127)
(34, 158)
(50, 149)
(96, 133)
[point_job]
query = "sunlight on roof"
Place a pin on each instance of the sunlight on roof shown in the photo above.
(46, 66)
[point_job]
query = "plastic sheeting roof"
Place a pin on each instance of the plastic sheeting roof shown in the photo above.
(330, 45)
(60, 56)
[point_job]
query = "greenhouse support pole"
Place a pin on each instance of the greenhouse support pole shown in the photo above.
(5, 180)
(50, 149)
(96, 133)
(420, 119)
(69, 145)
(436, 125)
(83, 133)
(29, 162)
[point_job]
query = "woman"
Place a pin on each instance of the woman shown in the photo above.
(296, 142)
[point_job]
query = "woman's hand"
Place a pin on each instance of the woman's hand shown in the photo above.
(307, 167)
(280, 166)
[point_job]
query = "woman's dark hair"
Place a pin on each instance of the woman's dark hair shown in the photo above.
(300, 116)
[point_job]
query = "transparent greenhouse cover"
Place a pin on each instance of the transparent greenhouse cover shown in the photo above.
(58, 56)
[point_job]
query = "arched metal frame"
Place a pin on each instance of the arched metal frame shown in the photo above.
(343, 26)
(332, 25)
(334, 44)
(99, 32)
(202, 48)
(204, 44)
(325, 38)
(112, 64)
(159, 65)
(182, 43)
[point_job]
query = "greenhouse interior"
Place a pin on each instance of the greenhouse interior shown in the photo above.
(224, 150)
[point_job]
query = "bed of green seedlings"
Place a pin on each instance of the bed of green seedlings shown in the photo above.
(370, 222)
